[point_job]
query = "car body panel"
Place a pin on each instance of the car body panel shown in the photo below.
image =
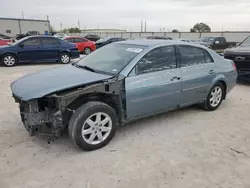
(81, 46)
(43, 83)
(4, 41)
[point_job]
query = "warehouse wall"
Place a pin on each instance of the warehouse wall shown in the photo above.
(17, 26)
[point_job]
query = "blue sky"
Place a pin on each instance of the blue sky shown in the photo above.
(168, 14)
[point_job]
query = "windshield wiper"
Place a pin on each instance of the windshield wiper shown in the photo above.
(86, 67)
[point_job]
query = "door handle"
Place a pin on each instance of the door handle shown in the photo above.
(175, 78)
(211, 72)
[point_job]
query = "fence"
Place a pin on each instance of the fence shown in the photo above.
(230, 36)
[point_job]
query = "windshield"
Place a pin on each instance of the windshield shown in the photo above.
(246, 42)
(104, 39)
(207, 39)
(111, 58)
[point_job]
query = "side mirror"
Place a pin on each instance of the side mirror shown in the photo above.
(21, 45)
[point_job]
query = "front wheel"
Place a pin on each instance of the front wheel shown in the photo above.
(87, 51)
(214, 98)
(92, 126)
(9, 60)
(64, 58)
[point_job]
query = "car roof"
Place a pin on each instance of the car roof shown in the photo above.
(154, 43)
(40, 36)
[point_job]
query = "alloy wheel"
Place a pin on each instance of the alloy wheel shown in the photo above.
(65, 58)
(9, 60)
(215, 96)
(96, 128)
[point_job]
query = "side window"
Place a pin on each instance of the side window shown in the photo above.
(50, 42)
(78, 40)
(158, 59)
(69, 40)
(191, 56)
(208, 57)
(222, 40)
(32, 42)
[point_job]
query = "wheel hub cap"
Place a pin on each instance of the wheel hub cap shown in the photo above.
(65, 58)
(216, 96)
(96, 128)
(9, 60)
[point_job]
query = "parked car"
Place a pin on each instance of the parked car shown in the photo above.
(31, 33)
(4, 36)
(5, 41)
(84, 45)
(218, 44)
(38, 49)
(119, 83)
(60, 35)
(107, 40)
(92, 37)
(241, 57)
(159, 38)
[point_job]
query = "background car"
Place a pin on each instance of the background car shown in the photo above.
(84, 45)
(159, 38)
(92, 37)
(107, 40)
(4, 41)
(60, 35)
(120, 83)
(38, 49)
(4, 36)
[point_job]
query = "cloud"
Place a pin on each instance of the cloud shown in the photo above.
(169, 14)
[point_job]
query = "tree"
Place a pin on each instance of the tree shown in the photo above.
(74, 30)
(192, 30)
(175, 31)
(52, 29)
(201, 28)
(65, 30)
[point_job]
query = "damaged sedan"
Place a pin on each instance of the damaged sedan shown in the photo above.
(120, 83)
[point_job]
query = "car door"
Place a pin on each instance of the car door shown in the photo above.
(51, 49)
(198, 71)
(154, 84)
(80, 44)
(30, 50)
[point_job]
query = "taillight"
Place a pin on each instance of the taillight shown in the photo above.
(234, 66)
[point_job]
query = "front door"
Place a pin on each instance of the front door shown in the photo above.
(30, 50)
(198, 71)
(154, 85)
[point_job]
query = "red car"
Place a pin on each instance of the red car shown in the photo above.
(84, 45)
(4, 41)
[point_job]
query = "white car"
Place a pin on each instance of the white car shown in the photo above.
(60, 35)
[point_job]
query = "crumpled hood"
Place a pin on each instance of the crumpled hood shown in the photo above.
(238, 49)
(46, 82)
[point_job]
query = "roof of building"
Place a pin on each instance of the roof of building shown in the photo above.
(36, 20)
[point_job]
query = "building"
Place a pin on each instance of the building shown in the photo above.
(103, 30)
(13, 26)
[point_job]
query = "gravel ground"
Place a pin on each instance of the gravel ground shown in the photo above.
(187, 148)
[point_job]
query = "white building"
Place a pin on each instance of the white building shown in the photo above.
(13, 26)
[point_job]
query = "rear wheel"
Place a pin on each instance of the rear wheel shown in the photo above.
(214, 98)
(64, 58)
(9, 60)
(92, 125)
(87, 51)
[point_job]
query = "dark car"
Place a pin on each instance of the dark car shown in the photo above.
(92, 37)
(107, 40)
(4, 36)
(159, 38)
(119, 83)
(38, 49)
(218, 44)
(241, 57)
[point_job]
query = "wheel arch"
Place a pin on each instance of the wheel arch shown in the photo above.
(220, 79)
(11, 53)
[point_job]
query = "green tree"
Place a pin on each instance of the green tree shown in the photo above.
(175, 31)
(65, 30)
(74, 30)
(201, 28)
(52, 29)
(192, 30)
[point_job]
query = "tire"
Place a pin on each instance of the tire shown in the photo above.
(9, 60)
(64, 58)
(87, 51)
(85, 129)
(214, 98)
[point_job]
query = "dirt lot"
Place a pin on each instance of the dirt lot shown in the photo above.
(188, 148)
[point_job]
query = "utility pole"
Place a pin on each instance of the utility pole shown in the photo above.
(22, 15)
(141, 26)
(145, 25)
(61, 26)
(79, 26)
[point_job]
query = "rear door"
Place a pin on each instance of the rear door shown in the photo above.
(51, 49)
(154, 85)
(30, 50)
(198, 71)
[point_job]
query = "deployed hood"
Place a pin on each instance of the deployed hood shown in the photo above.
(46, 82)
(239, 49)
